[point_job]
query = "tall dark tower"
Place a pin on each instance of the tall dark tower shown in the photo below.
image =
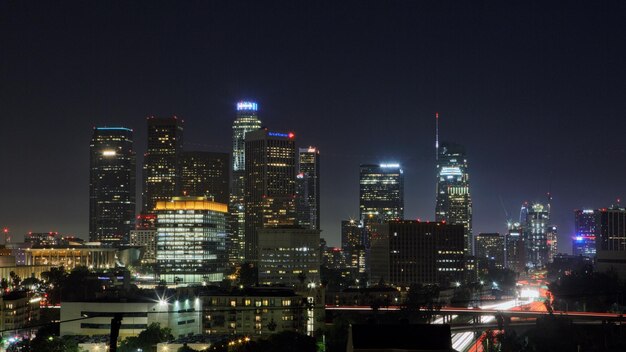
(308, 188)
(381, 193)
(161, 168)
(454, 203)
(111, 184)
(205, 174)
(246, 120)
(270, 190)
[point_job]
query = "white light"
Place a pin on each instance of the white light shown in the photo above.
(108, 153)
(389, 165)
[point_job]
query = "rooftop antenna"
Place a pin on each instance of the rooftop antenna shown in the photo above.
(436, 136)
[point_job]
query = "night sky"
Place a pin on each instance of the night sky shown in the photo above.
(535, 91)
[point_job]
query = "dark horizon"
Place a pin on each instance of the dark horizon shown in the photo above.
(534, 92)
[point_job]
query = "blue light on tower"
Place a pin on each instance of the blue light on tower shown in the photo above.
(247, 106)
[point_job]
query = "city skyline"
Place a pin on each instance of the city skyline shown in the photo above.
(495, 112)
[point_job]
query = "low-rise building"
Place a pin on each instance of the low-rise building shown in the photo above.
(18, 309)
(91, 256)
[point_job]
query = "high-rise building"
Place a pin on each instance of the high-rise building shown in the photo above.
(552, 240)
(381, 193)
(289, 256)
(585, 233)
(454, 203)
(246, 121)
(409, 252)
(270, 185)
(515, 250)
(490, 250)
(535, 234)
(353, 245)
(111, 184)
(611, 243)
(161, 167)
(308, 188)
(145, 238)
(205, 174)
(191, 240)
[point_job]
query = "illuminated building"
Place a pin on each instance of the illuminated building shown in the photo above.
(42, 239)
(145, 221)
(161, 167)
(585, 233)
(288, 256)
(246, 121)
(409, 252)
(18, 310)
(308, 188)
(93, 257)
(353, 245)
(270, 185)
(145, 238)
(191, 240)
(454, 203)
(490, 250)
(552, 239)
(535, 233)
(205, 174)
(381, 193)
(515, 252)
(111, 184)
(611, 240)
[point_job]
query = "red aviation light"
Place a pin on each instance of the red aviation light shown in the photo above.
(291, 135)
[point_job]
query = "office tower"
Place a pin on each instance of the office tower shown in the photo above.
(246, 121)
(585, 233)
(191, 240)
(289, 256)
(611, 240)
(145, 238)
(552, 240)
(411, 252)
(490, 250)
(205, 174)
(515, 252)
(161, 167)
(353, 239)
(270, 184)
(454, 203)
(535, 234)
(111, 184)
(308, 188)
(381, 193)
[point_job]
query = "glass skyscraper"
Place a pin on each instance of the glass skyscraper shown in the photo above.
(308, 188)
(246, 120)
(454, 203)
(111, 184)
(586, 232)
(381, 193)
(191, 240)
(270, 184)
(161, 168)
(535, 227)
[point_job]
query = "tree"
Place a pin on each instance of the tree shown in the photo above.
(147, 339)
(286, 341)
(185, 348)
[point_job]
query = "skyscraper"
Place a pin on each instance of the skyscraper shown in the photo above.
(490, 250)
(611, 243)
(191, 240)
(454, 203)
(111, 184)
(585, 232)
(353, 244)
(270, 190)
(381, 193)
(535, 227)
(552, 240)
(308, 188)
(205, 174)
(161, 168)
(246, 121)
(515, 251)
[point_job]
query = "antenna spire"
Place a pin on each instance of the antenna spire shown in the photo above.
(436, 136)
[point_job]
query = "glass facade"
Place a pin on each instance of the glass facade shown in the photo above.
(535, 234)
(381, 193)
(308, 188)
(111, 184)
(586, 232)
(191, 240)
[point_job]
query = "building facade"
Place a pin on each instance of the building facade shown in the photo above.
(611, 244)
(18, 310)
(205, 174)
(535, 224)
(289, 256)
(411, 252)
(308, 188)
(489, 249)
(353, 241)
(270, 197)
(515, 248)
(93, 257)
(111, 184)
(381, 193)
(145, 238)
(454, 202)
(585, 232)
(246, 120)
(191, 240)
(553, 242)
(161, 168)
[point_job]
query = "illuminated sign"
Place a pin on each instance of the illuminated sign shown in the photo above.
(390, 165)
(108, 153)
(451, 171)
(279, 134)
(247, 105)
